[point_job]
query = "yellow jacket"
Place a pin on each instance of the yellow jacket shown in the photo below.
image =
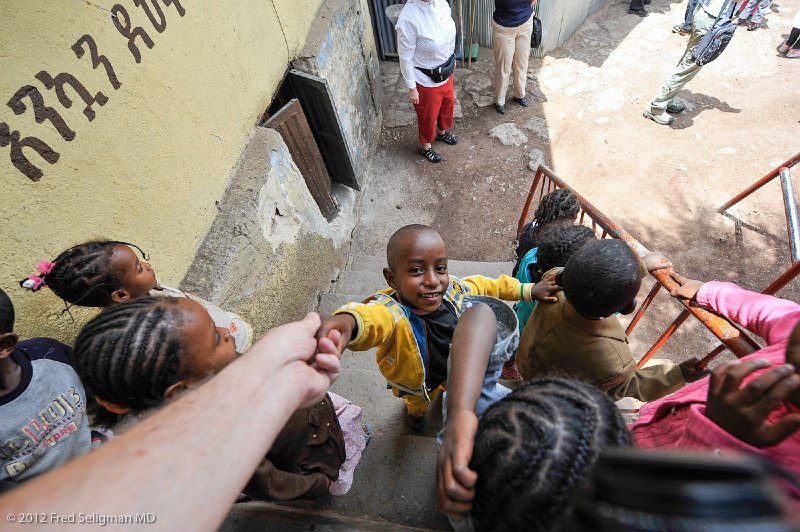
(400, 335)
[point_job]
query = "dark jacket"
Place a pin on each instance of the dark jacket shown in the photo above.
(304, 459)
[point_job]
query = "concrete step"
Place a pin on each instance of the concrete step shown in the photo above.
(394, 483)
(359, 360)
(459, 268)
(330, 302)
(387, 413)
(359, 282)
(258, 515)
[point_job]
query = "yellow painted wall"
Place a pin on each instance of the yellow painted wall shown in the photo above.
(150, 166)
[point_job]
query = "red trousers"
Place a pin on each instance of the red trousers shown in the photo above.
(435, 106)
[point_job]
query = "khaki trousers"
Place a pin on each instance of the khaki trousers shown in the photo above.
(512, 49)
(687, 68)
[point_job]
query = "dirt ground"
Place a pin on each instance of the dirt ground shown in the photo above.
(662, 184)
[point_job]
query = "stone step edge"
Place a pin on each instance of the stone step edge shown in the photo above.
(327, 516)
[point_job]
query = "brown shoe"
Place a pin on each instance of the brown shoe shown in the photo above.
(793, 53)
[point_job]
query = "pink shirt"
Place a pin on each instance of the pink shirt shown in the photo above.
(677, 421)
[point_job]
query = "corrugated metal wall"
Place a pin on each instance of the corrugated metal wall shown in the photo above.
(385, 36)
(560, 19)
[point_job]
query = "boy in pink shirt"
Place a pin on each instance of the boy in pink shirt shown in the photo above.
(761, 417)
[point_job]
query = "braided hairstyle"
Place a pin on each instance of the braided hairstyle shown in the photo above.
(83, 274)
(535, 448)
(560, 243)
(130, 353)
(559, 206)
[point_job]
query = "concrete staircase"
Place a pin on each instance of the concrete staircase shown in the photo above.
(395, 482)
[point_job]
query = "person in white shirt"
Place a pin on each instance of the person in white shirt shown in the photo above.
(426, 40)
(663, 104)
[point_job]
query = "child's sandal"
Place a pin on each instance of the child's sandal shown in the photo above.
(431, 155)
(447, 138)
(752, 26)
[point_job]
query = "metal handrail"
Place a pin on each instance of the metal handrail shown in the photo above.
(792, 224)
(730, 335)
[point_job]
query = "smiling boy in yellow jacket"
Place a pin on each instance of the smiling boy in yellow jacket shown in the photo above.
(412, 322)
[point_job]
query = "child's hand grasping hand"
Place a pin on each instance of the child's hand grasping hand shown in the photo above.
(687, 288)
(338, 330)
(544, 289)
(656, 261)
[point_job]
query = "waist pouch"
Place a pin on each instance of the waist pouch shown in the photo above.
(441, 72)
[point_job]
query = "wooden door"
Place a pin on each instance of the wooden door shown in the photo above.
(291, 123)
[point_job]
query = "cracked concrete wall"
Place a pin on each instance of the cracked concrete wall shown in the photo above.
(341, 50)
(171, 111)
(269, 251)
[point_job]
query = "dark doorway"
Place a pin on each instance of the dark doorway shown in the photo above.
(314, 97)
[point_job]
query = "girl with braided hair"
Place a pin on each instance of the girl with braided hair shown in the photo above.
(139, 354)
(101, 273)
(558, 207)
(556, 210)
(528, 456)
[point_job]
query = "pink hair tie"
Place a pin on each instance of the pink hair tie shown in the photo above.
(32, 283)
(44, 267)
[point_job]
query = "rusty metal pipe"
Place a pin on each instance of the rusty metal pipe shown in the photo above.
(740, 344)
(663, 338)
(760, 183)
(709, 357)
(642, 309)
(783, 280)
(527, 207)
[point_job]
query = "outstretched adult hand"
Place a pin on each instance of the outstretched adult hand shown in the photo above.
(455, 481)
(743, 412)
(687, 288)
(300, 360)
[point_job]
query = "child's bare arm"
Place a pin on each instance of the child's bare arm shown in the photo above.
(341, 325)
(656, 261)
(473, 341)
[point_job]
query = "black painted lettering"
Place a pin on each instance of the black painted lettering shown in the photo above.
(18, 158)
(66, 78)
(178, 6)
(41, 112)
(117, 13)
(161, 24)
(96, 58)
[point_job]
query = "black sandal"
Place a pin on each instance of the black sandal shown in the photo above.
(431, 155)
(447, 138)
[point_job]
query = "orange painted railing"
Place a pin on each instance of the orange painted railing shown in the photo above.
(729, 334)
(792, 224)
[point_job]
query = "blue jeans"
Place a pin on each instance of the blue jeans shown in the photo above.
(691, 7)
(504, 347)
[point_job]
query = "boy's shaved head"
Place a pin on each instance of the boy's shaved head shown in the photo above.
(6, 313)
(398, 243)
(601, 278)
